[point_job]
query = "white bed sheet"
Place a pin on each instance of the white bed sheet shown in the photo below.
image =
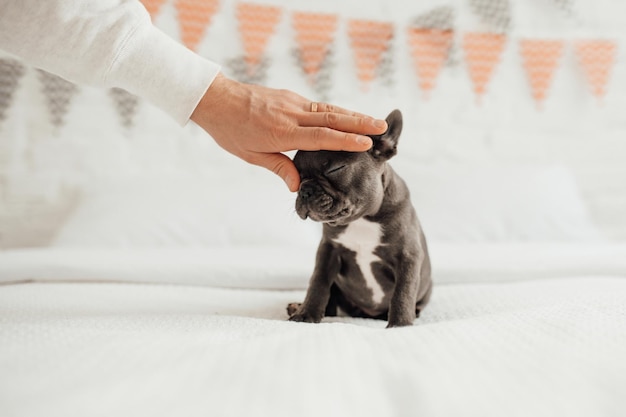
(537, 348)
(514, 330)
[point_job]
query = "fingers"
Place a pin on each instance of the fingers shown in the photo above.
(329, 108)
(318, 138)
(363, 125)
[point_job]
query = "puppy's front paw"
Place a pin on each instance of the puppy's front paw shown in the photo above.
(401, 320)
(292, 308)
(392, 324)
(305, 318)
(299, 314)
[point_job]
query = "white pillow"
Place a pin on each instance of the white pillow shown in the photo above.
(455, 203)
(166, 212)
(493, 203)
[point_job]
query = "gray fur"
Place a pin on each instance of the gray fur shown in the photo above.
(339, 189)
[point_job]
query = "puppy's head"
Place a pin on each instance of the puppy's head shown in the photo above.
(340, 187)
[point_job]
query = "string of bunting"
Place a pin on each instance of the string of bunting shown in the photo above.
(431, 39)
(431, 44)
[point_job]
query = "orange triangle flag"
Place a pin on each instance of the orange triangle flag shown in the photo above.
(596, 58)
(482, 53)
(194, 17)
(314, 34)
(540, 59)
(369, 40)
(256, 24)
(153, 6)
(429, 48)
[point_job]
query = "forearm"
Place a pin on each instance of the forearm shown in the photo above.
(108, 43)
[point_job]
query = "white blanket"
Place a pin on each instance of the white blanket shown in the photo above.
(542, 347)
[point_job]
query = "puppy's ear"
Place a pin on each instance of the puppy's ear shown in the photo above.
(386, 145)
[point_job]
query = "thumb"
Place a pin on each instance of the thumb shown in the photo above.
(282, 166)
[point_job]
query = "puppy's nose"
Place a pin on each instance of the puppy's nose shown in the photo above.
(306, 191)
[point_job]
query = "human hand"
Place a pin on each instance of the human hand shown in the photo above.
(257, 124)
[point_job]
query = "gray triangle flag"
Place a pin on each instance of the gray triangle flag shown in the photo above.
(10, 73)
(439, 18)
(126, 106)
(58, 93)
(494, 13)
(243, 72)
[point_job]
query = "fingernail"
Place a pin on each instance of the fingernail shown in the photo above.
(363, 140)
(380, 123)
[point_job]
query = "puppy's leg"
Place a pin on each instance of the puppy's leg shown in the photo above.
(402, 306)
(317, 297)
(421, 303)
(331, 307)
(333, 302)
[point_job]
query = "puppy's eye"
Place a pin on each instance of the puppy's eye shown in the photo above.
(335, 169)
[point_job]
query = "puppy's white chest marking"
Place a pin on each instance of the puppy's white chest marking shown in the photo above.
(363, 237)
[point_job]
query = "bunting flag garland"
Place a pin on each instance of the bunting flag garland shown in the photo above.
(10, 73)
(194, 17)
(256, 24)
(482, 54)
(431, 45)
(126, 105)
(369, 40)
(596, 58)
(540, 60)
(496, 14)
(58, 93)
(153, 6)
(314, 35)
(429, 49)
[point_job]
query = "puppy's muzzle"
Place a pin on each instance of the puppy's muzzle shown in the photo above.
(314, 202)
(305, 196)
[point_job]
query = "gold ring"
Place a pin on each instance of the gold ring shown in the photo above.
(314, 107)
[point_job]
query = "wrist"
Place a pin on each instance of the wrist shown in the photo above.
(207, 103)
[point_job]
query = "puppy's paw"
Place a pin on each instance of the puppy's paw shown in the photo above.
(391, 324)
(400, 321)
(303, 316)
(292, 308)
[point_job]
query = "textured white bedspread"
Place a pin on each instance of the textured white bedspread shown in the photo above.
(552, 347)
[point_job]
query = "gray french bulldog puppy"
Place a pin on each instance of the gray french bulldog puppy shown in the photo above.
(372, 260)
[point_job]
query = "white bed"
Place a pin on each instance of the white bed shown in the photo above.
(540, 332)
(164, 296)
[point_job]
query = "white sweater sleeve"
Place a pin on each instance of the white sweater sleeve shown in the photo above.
(107, 43)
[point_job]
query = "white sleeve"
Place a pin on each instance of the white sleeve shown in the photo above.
(107, 43)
